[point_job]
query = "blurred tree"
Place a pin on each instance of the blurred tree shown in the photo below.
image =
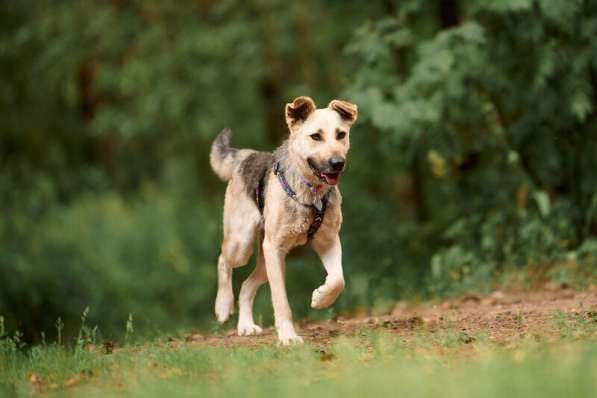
(489, 101)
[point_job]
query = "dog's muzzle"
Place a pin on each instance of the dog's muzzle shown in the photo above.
(330, 173)
(336, 163)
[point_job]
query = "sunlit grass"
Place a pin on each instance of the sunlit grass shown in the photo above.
(372, 364)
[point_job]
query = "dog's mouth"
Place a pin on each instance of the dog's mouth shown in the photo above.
(327, 178)
(331, 178)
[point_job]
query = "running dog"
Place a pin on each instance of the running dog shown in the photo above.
(282, 200)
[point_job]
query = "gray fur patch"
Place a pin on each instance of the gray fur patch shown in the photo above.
(253, 168)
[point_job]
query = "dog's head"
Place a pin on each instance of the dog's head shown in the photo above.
(319, 138)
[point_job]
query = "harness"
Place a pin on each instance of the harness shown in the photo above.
(319, 212)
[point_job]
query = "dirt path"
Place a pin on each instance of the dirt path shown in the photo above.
(501, 317)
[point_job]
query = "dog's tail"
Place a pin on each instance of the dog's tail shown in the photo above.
(222, 157)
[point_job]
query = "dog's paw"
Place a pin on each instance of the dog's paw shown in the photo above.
(287, 335)
(224, 306)
(223, 313)
(248, 329)
(288, 340)
(326, 294)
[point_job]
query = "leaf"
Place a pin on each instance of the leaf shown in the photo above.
(438, 163)
(436, 266)
(37, 382)
(194, 337)
(504, 6)
(543, 202)
(589, 247)
(581, 105)
(560, 11)
(71, 381)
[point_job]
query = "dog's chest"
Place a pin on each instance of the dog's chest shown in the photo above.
(296, 225)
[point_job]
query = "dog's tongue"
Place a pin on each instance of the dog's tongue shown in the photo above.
(331, 179)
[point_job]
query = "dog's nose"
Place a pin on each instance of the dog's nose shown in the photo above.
(336, 163)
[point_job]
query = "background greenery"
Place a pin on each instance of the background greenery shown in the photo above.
(475, 151)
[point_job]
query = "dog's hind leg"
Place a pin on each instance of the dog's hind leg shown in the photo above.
(248, 290)
(241, 221)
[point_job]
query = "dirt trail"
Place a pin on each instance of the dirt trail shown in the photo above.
(501, 317)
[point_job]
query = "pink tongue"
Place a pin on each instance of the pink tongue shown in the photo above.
(331, 180)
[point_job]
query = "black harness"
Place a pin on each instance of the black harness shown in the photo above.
(319, 213)
(260, 192)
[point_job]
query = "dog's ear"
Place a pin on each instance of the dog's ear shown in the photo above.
(298, 111)
(347, 110)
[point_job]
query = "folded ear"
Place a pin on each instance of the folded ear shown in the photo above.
(347, 110)
(298, 111)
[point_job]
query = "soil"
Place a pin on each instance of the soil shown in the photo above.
(501, 317)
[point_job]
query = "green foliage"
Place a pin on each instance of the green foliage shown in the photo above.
(494, 116)
(116, 259)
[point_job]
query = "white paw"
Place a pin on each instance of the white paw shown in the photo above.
(287, 335)
(224, 305)
(326, 294)
(248, 329)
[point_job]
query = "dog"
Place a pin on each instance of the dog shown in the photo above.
(282, 200)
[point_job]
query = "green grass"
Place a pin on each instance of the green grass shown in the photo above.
(373, 364)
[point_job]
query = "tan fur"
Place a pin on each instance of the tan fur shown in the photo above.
(284, 223)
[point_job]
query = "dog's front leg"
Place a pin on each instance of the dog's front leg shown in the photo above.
(276, 268)
(330, 252)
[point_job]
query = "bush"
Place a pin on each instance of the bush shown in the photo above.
(152, 256)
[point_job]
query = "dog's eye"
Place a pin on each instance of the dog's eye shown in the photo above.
(316, 137)
(341, 135)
